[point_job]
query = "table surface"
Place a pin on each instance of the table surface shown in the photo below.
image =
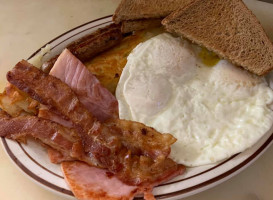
(29, 24)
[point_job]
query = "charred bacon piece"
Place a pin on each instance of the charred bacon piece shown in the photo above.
(63, 139)
(101, 142)
(61, 99)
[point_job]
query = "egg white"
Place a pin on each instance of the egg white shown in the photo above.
(214, 112)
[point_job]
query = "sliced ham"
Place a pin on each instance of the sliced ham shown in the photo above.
(91, 183)
(97, 99)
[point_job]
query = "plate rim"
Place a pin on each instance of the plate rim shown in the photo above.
(70, 30)
(176, 194)
(26, 171)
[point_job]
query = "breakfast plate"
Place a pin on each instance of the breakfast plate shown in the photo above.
(32, 158)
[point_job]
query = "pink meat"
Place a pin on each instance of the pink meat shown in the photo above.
(91, 183)
(97, 99)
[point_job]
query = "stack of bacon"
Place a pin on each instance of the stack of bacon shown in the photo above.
(102, 157)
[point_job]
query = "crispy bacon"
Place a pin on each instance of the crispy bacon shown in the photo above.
(78, 175)
(101, 142)
(65, 142)
(63, 139)
(140, 139)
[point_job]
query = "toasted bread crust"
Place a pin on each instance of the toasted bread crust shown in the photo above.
(228, 28)
(143, 9)
(136, 25)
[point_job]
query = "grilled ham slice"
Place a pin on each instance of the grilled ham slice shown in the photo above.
(97, 99)
(88, 183)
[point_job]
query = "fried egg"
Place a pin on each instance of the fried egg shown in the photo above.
(214, 112)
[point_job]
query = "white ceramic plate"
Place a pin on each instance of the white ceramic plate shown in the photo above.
(32, 158)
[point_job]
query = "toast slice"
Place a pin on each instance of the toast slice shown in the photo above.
(139, 24)
(144, 9)
(227, 28)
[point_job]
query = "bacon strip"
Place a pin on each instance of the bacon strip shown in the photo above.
(80, 177)
(100, 141)
(55, 95)
(52, 134)
(86, 182)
